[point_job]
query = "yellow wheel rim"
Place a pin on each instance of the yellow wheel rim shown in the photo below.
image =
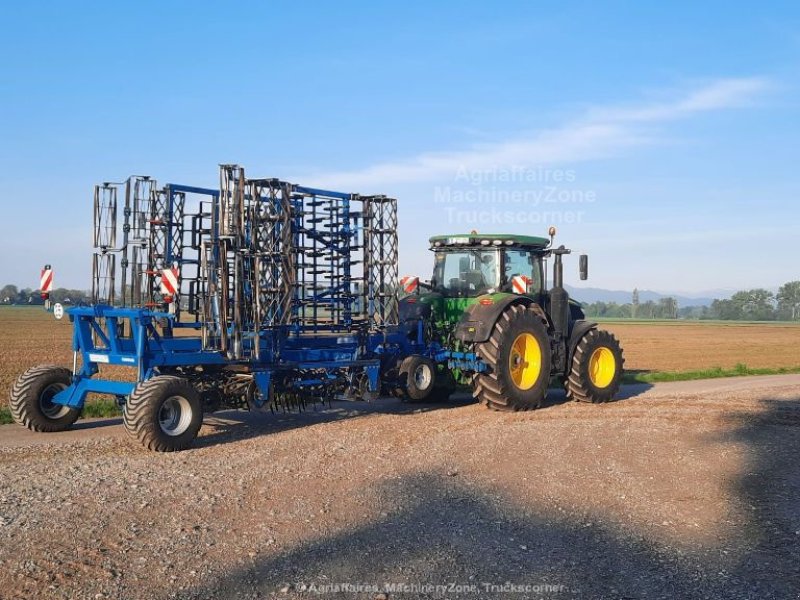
(602, 367)
(525, 361)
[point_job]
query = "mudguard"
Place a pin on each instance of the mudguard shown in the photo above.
(411, 311)
(577, 331)
(478, 320)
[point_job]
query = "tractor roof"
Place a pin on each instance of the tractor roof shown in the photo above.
(489, 239)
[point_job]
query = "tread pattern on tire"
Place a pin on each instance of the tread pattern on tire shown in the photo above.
(20, 401)
(139, 423)
(487, 388)
(577, 384)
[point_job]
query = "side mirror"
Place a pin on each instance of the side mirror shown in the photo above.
(584, 266)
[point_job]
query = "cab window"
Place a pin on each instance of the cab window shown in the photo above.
(521, 262)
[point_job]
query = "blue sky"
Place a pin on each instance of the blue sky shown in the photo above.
(662, 139)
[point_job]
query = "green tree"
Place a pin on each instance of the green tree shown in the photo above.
(648, 310)
(668, 308)
(635, 303)
(25, 296)
(9, 294)
(725, 310)
(693, 312)
(789, 300)
(755, 305)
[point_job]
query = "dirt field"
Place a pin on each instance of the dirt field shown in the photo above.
(30, 336)
(682, 490)
(692, 346)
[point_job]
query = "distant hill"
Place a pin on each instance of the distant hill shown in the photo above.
(590, 295)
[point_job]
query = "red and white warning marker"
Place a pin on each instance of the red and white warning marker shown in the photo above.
(46, 281)
(169, 283)
(409, 284)
(521, 283)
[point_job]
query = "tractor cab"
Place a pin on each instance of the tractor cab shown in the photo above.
(472, 265)
(471, 269)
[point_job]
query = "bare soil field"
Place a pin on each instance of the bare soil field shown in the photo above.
(678, 490)
(693, 346)
(29, 337)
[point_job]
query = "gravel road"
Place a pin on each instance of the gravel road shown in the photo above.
(681, 490)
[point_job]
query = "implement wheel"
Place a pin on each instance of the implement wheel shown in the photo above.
(518, 355)
(31, 402)
(596, 369)
(164, 413)
(418, 375)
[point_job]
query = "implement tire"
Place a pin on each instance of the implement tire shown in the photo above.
(164, 413)
(31, 396)
(418, 377)
(518, 356)
(596, 369)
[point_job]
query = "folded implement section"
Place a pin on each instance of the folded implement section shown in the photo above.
(262, 294)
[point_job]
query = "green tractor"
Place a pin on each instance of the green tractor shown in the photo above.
(488, 320)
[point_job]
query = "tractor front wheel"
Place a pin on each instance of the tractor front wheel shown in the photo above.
(164, 413)
(31, 402)
(518, 356)
(596, 369)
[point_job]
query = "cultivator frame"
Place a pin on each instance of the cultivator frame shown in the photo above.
(288, 293)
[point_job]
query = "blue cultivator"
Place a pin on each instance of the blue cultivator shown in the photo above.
(261, 295)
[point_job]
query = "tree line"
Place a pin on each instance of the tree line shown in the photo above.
(11, 294)
(747, 305)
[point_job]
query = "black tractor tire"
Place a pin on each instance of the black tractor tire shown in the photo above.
(596, 368)
(418, 377)
(31, 399)
(164, 413)
(512, 383)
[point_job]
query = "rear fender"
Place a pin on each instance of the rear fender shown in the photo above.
(579, 329)
(478, 320)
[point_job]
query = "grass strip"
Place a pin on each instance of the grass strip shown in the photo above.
(740, 370)
(93, 409)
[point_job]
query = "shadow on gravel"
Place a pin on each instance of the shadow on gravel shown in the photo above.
(447, 530)
(95, 423)
(232, 426)
(769, 488)
(631, 390)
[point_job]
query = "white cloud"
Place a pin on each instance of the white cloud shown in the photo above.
(597, 134)
(718, 95)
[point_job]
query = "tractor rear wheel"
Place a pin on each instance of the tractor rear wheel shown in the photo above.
(596, 368)
(164, 413)
(31, 402)
(418, 376)
(518, 356)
